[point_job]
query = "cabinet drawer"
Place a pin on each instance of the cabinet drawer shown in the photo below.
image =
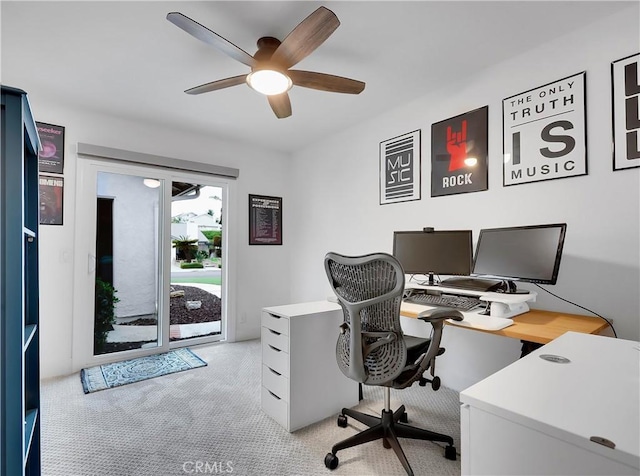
(275, 339)
(277, 323)
(275, 407)
(275, 382)
(277, 359)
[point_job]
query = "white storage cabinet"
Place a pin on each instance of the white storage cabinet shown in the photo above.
(301, 381)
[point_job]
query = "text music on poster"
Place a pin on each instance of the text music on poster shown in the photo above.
(400, 168)
(544, 132)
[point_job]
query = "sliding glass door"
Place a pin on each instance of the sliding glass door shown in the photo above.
(149, 261)
(195, 297)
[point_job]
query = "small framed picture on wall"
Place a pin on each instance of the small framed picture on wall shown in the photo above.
(51, 156)
(625, 91)
(265, 220)
(51, 191)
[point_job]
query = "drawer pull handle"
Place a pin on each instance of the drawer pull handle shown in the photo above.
(274, 332)
(275, 317)
(274, 348)
(274, 395)
(277, 373)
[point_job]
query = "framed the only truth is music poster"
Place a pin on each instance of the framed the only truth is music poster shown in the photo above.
(545, 132)
(459, 150)
(625, 91)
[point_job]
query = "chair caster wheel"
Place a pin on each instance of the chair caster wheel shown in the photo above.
(422, 382)
(331, 461)
(435, 383)
(404, 418)
(342, 422)
(386, 444)
(449, 453)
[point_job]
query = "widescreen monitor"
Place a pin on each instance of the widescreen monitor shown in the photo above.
(525, 253)
(442, 252)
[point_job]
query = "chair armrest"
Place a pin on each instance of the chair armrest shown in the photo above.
(440, 314)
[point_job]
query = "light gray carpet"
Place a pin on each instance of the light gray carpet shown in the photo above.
(208, 421)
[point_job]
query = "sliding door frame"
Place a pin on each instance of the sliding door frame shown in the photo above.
(84, 268)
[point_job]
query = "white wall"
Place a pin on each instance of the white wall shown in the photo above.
(262, 276)
(337, 205)
(135, 242)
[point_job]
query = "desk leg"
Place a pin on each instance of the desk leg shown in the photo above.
(528, 347)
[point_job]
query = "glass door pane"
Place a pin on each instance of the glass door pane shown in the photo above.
(127, 263)
(195, 301)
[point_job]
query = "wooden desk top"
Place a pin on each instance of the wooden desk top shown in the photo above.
(540, 326)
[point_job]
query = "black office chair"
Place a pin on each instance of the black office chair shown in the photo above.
(372, 349)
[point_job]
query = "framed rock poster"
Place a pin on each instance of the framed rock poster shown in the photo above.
(459, 150)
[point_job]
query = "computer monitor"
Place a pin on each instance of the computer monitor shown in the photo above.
(447, 252)
(524, 253)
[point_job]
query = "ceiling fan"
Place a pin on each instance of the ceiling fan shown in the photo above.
(270, 73)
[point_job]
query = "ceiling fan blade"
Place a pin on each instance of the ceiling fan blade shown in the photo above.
(202, 33)
(220, 84)
(280, 104)
(325, 82)
(306, 37)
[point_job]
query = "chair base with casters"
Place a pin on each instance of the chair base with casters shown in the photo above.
(389, 428)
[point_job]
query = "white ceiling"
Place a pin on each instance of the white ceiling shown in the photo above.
(125, 59)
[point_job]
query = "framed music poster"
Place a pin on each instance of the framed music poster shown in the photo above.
(265, 220)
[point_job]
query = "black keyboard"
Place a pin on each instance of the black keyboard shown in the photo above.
(461, 303)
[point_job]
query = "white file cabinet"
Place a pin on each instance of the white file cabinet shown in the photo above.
(540, 415)
(301, 381)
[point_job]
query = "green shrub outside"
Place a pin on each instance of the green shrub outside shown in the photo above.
(191, 265)
(105, 315)
(186, 248)
(211, 234)
(215, 241)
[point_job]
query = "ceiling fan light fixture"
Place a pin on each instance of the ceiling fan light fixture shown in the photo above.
(269, 82)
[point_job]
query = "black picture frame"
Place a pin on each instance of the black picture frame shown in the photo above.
(400, 168)
(625, 114)
(265, 220)
(460, 153)
(51, 198)
(544, 132)
(51, 156)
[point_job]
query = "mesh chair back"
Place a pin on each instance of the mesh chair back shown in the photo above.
(369, 288)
